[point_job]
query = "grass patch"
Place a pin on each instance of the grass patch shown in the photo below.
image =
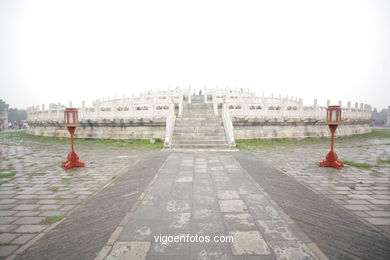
(377, 133)
(65, 180)
(7, 175)
(258, 144)
(3, 182)
(139, 143)
(352, 187)
(252, 144)
(358, 165)
(55, 189)
(5, 244)
(384, 161)
(54, 219)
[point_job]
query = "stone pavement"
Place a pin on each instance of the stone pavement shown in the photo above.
(207, 194)
(38, 192)
(364, 192)
(339, 233)
(82, 234)
(269, 214)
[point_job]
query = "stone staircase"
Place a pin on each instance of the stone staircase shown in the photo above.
(199, 128)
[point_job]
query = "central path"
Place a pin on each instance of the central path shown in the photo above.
(206, 194)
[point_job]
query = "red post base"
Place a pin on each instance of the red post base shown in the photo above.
(73, 161)
(331, 160)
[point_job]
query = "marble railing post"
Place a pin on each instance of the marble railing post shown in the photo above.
(82, 110)
(59, 112)
(283, 107)
(97, 109)
(315, 108)
(113, 108)
(349, 110)
(388, 117)
(215, 104)
(170, 124)
(181, 103)
(341, 106)
(132, 109)
(356, 114)
(300, 108)
(49, 113)
(245, 109)
(189, 95)
(265, 108)
(228, 125)
(150, 104)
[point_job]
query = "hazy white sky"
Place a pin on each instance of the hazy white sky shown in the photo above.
(57, 51)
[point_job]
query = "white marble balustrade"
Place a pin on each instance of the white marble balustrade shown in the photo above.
(160, 104)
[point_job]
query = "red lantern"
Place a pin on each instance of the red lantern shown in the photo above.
(71, 121)
(333, 118)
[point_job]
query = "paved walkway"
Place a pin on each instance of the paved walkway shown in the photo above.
(364, 192)
(297, 212)
(338, 232)
(82, 234)
(207, 194)
(35, 192)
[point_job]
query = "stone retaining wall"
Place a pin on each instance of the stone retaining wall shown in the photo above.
(272, 130)
(156, 129)
(140, 129)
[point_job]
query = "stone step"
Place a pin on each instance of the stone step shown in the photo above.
(198, 104)
(199, 128)
(198, 111)
(192, 134)
(209, 118)
(192, 142)
(201, 146)
(198, 119)
(198, 123)
(209, 131)
(202, 138)
(197, 98)
(197, 115)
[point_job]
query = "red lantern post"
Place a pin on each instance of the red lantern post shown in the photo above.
(333, 118)
(71, 120)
